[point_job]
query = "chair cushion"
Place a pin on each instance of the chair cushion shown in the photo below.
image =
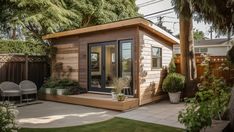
(11, 93)
(28, 91)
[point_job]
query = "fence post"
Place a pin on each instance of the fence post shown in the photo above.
(26, 67)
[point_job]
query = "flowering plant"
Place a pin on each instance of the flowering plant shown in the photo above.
(8, 114)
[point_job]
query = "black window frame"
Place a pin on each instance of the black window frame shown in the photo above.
(152, 57)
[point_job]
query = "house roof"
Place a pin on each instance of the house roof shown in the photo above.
(211, 42)
(146, 24)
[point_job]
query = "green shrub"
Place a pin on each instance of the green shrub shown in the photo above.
(53, 91)
(72, 87)
(210, 102)
(172, 66)
(174, 82)
(24, 47)
(8, 114)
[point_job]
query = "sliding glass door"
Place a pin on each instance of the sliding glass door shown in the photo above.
(102, 66)
(109, 60)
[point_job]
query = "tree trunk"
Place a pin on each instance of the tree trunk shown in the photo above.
(13, 34)
(188, 64)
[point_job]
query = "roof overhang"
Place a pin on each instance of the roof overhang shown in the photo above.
(123, 23)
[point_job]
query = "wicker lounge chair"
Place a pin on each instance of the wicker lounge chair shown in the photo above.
(28, 87)
(10, 89)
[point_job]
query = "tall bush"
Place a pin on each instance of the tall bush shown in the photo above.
(172, 66)
(210, 102)
(24, 47)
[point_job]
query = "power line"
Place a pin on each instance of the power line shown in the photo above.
(149, 3)
(154, 17)
(170, 17)
(155, 13)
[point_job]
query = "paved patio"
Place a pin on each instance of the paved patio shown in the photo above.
(51, 114)
(163, 113)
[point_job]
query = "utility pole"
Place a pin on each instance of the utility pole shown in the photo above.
(160, 22)
(211, 32)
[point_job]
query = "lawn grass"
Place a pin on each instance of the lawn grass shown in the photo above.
(113, 125)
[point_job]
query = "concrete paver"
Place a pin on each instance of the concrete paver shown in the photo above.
(163, 113)
(51, 114)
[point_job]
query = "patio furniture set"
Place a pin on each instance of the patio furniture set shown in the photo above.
(11, 89)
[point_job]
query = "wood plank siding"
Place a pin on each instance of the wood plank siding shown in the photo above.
(67, 54)
(150, 79)
(73, 50)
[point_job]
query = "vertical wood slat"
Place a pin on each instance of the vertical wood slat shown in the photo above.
(26, 67)
(16, 68)
(216, 62)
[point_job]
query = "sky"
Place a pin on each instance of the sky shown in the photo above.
(170, 20)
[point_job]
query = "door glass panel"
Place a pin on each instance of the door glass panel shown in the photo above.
(95, 67)
(126, 59)
(126, 64)
(110, 65)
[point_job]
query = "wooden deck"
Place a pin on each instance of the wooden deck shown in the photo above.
(95, 100)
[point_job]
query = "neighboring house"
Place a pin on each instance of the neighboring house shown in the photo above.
(213, 47)
(133, 48)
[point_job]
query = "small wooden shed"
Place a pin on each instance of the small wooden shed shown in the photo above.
(133, 48)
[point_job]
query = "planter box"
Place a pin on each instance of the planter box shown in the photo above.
(61, 91)
(48, 90)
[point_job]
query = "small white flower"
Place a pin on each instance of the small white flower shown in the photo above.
(226, 68)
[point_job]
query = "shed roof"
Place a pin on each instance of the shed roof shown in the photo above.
(146, 24)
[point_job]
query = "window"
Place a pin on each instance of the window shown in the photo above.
(201, 50)
(156, 57)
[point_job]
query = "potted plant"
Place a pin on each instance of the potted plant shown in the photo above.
(113, 93)
(60, 90)
(49, 85)
(120, 97)
(66, 86)
(119, 84)
(174, 84)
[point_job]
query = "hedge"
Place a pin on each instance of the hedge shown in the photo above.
(23, 47)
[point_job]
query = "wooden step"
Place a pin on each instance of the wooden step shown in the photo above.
(95, 100)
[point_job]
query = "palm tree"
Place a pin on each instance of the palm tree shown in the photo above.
(220, 13)
(188, 65)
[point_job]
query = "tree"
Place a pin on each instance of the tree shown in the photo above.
(7, 21)
(41, 17)
(198, 35)
(219, 13)
(160, 24)
(188, 66)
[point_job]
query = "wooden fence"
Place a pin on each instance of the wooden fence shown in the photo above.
(16, 68)
(216, 62)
